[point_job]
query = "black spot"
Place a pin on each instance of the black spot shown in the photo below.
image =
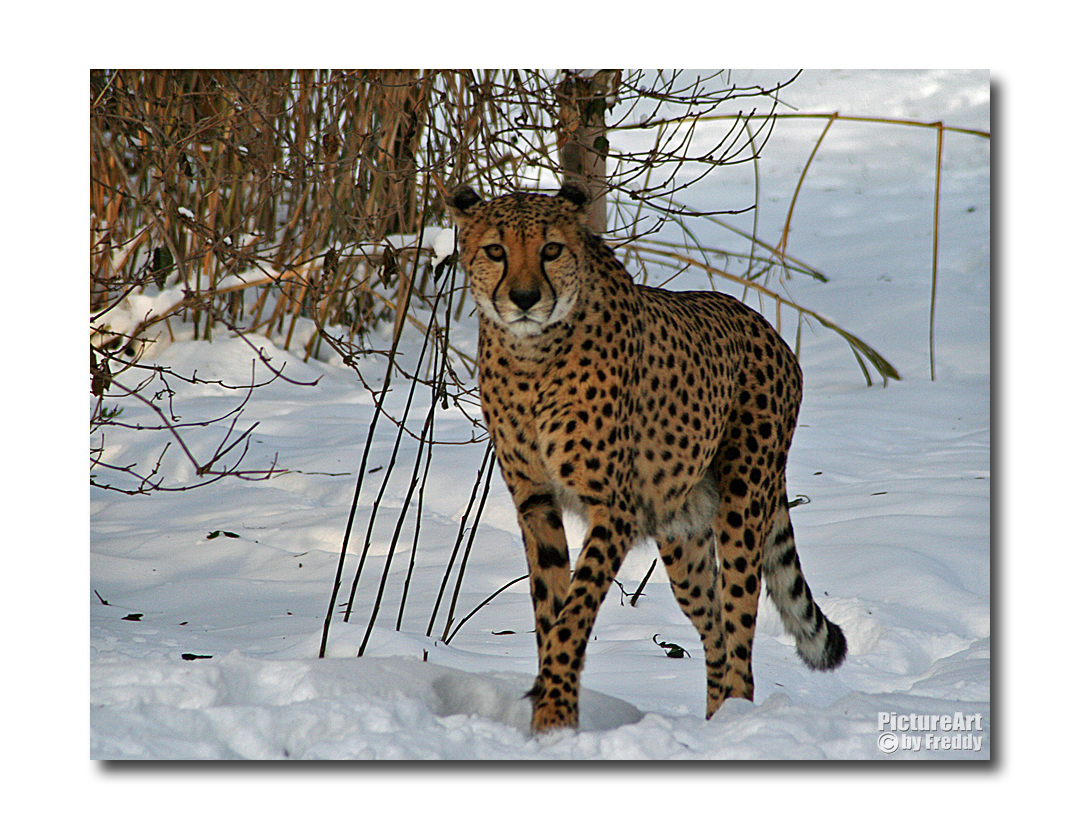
(542, 499)
(548, 556)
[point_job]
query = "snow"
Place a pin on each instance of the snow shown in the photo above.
(443, 245)
(134, 309)
(895, 539)
(437, 242)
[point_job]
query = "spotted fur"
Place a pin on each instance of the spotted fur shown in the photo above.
(650, 413)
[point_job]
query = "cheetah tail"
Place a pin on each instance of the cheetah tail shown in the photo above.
(819, 642)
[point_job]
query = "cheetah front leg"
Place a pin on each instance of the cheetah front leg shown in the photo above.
(546, 552)
(562, 649)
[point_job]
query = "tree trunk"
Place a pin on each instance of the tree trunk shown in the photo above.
(583, 146)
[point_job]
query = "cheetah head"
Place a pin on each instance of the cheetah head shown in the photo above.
(524, 254)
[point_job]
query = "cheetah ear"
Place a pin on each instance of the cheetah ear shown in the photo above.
(461, 202)
(576, 195)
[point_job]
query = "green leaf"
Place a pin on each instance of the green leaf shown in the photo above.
(673, 651)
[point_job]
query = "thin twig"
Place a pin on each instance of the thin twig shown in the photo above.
(482, 604)
(468, 547)
(644, 581)
(933, 277)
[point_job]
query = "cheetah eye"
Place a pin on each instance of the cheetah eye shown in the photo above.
(550, 251)
(496, 253)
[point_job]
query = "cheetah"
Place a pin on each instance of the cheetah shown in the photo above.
(649, 413)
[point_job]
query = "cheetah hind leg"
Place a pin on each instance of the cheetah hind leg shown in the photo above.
(691, 567)
(819, 642)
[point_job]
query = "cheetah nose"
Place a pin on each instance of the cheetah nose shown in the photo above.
(525, 299)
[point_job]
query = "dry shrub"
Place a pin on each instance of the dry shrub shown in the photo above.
(304, 205)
